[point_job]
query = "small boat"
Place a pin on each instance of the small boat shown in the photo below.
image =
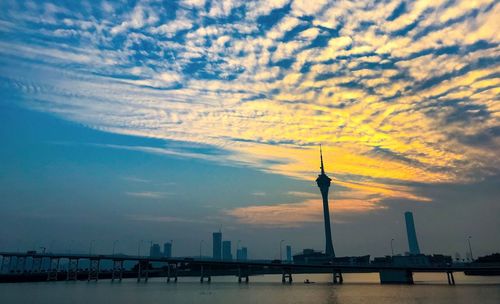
(308, 282)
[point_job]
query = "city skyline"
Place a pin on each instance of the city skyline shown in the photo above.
(161, 121)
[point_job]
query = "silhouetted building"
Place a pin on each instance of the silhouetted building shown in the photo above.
(155, 251)
(323, 182)
(217, 245)
(167, 250)
(310, 256)
(244, 253)
(289, 253)
(411, 234)
(226, 251)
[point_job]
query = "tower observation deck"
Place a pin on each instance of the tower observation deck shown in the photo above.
(323, 182)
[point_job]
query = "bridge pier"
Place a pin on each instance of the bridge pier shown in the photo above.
(20, 261)
(6, 263)
(117, 270)
(53, 269)
(337, 277)
(242, 274)
(143, 271)
(72, 273)
(36, 264)
(287, 276)
(451, 279)
(204, 274)
(94, 267)
(171, 271)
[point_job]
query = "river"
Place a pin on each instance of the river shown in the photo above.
(357, 288)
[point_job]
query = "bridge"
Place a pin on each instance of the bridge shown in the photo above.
(29, 266)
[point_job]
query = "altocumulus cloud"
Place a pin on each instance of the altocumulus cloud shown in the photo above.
(397, 92)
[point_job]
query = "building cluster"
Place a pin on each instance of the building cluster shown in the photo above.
(221, 250)
(155, 250)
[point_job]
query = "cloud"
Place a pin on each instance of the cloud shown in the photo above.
(296, 214)
(395, 94)
(148, 194)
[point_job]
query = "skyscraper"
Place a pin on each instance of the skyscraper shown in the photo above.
(411, 233)
(323, 182)
(288, 253)
(244, 253)
(226, 251)
(167, 250)
(155, 251)
(217, 245)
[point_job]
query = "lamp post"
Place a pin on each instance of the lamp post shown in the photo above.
(392, 247)
(114, 245)
(281, 253)
(139, 248)
(70, 246)
(90, 246)
(201, 246)
(238, 253)
(470, 248)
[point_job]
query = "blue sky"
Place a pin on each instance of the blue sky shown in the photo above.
(161, 120)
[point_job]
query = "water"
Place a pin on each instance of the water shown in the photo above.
(358, 288)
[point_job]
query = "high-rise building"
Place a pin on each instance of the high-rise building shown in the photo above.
(244, 253)
(288, 253)
(226, 251)
(167, 250)
(323, 182)
(155, 251)
(217, 245)
(411, 234)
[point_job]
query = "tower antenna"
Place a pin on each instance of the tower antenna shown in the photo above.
(321, 157)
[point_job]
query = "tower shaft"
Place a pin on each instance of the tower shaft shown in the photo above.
(328, 230)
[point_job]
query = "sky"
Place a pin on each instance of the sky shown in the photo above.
(168, 120)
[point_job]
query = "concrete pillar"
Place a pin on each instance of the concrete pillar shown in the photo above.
(451, 279)
(337, 277)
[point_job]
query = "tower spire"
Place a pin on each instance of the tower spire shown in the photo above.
(321, 157)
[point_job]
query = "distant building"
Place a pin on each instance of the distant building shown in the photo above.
(244, 253)
(155, 251)
(167, 250)
(411, 234)
(289, 253)
(226, 251)
(217, 245)
(310, 256)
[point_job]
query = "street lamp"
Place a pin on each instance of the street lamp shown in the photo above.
(470, 248)
(238, 253)
(90, 246)
(70, 246)
(114, 245)
(201, 244)
(392, 248)
(139, 248)
(281, 253)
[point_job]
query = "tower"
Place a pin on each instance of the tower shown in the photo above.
(411, 233)
(167, 250)
(217, 245)
(323, 182)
